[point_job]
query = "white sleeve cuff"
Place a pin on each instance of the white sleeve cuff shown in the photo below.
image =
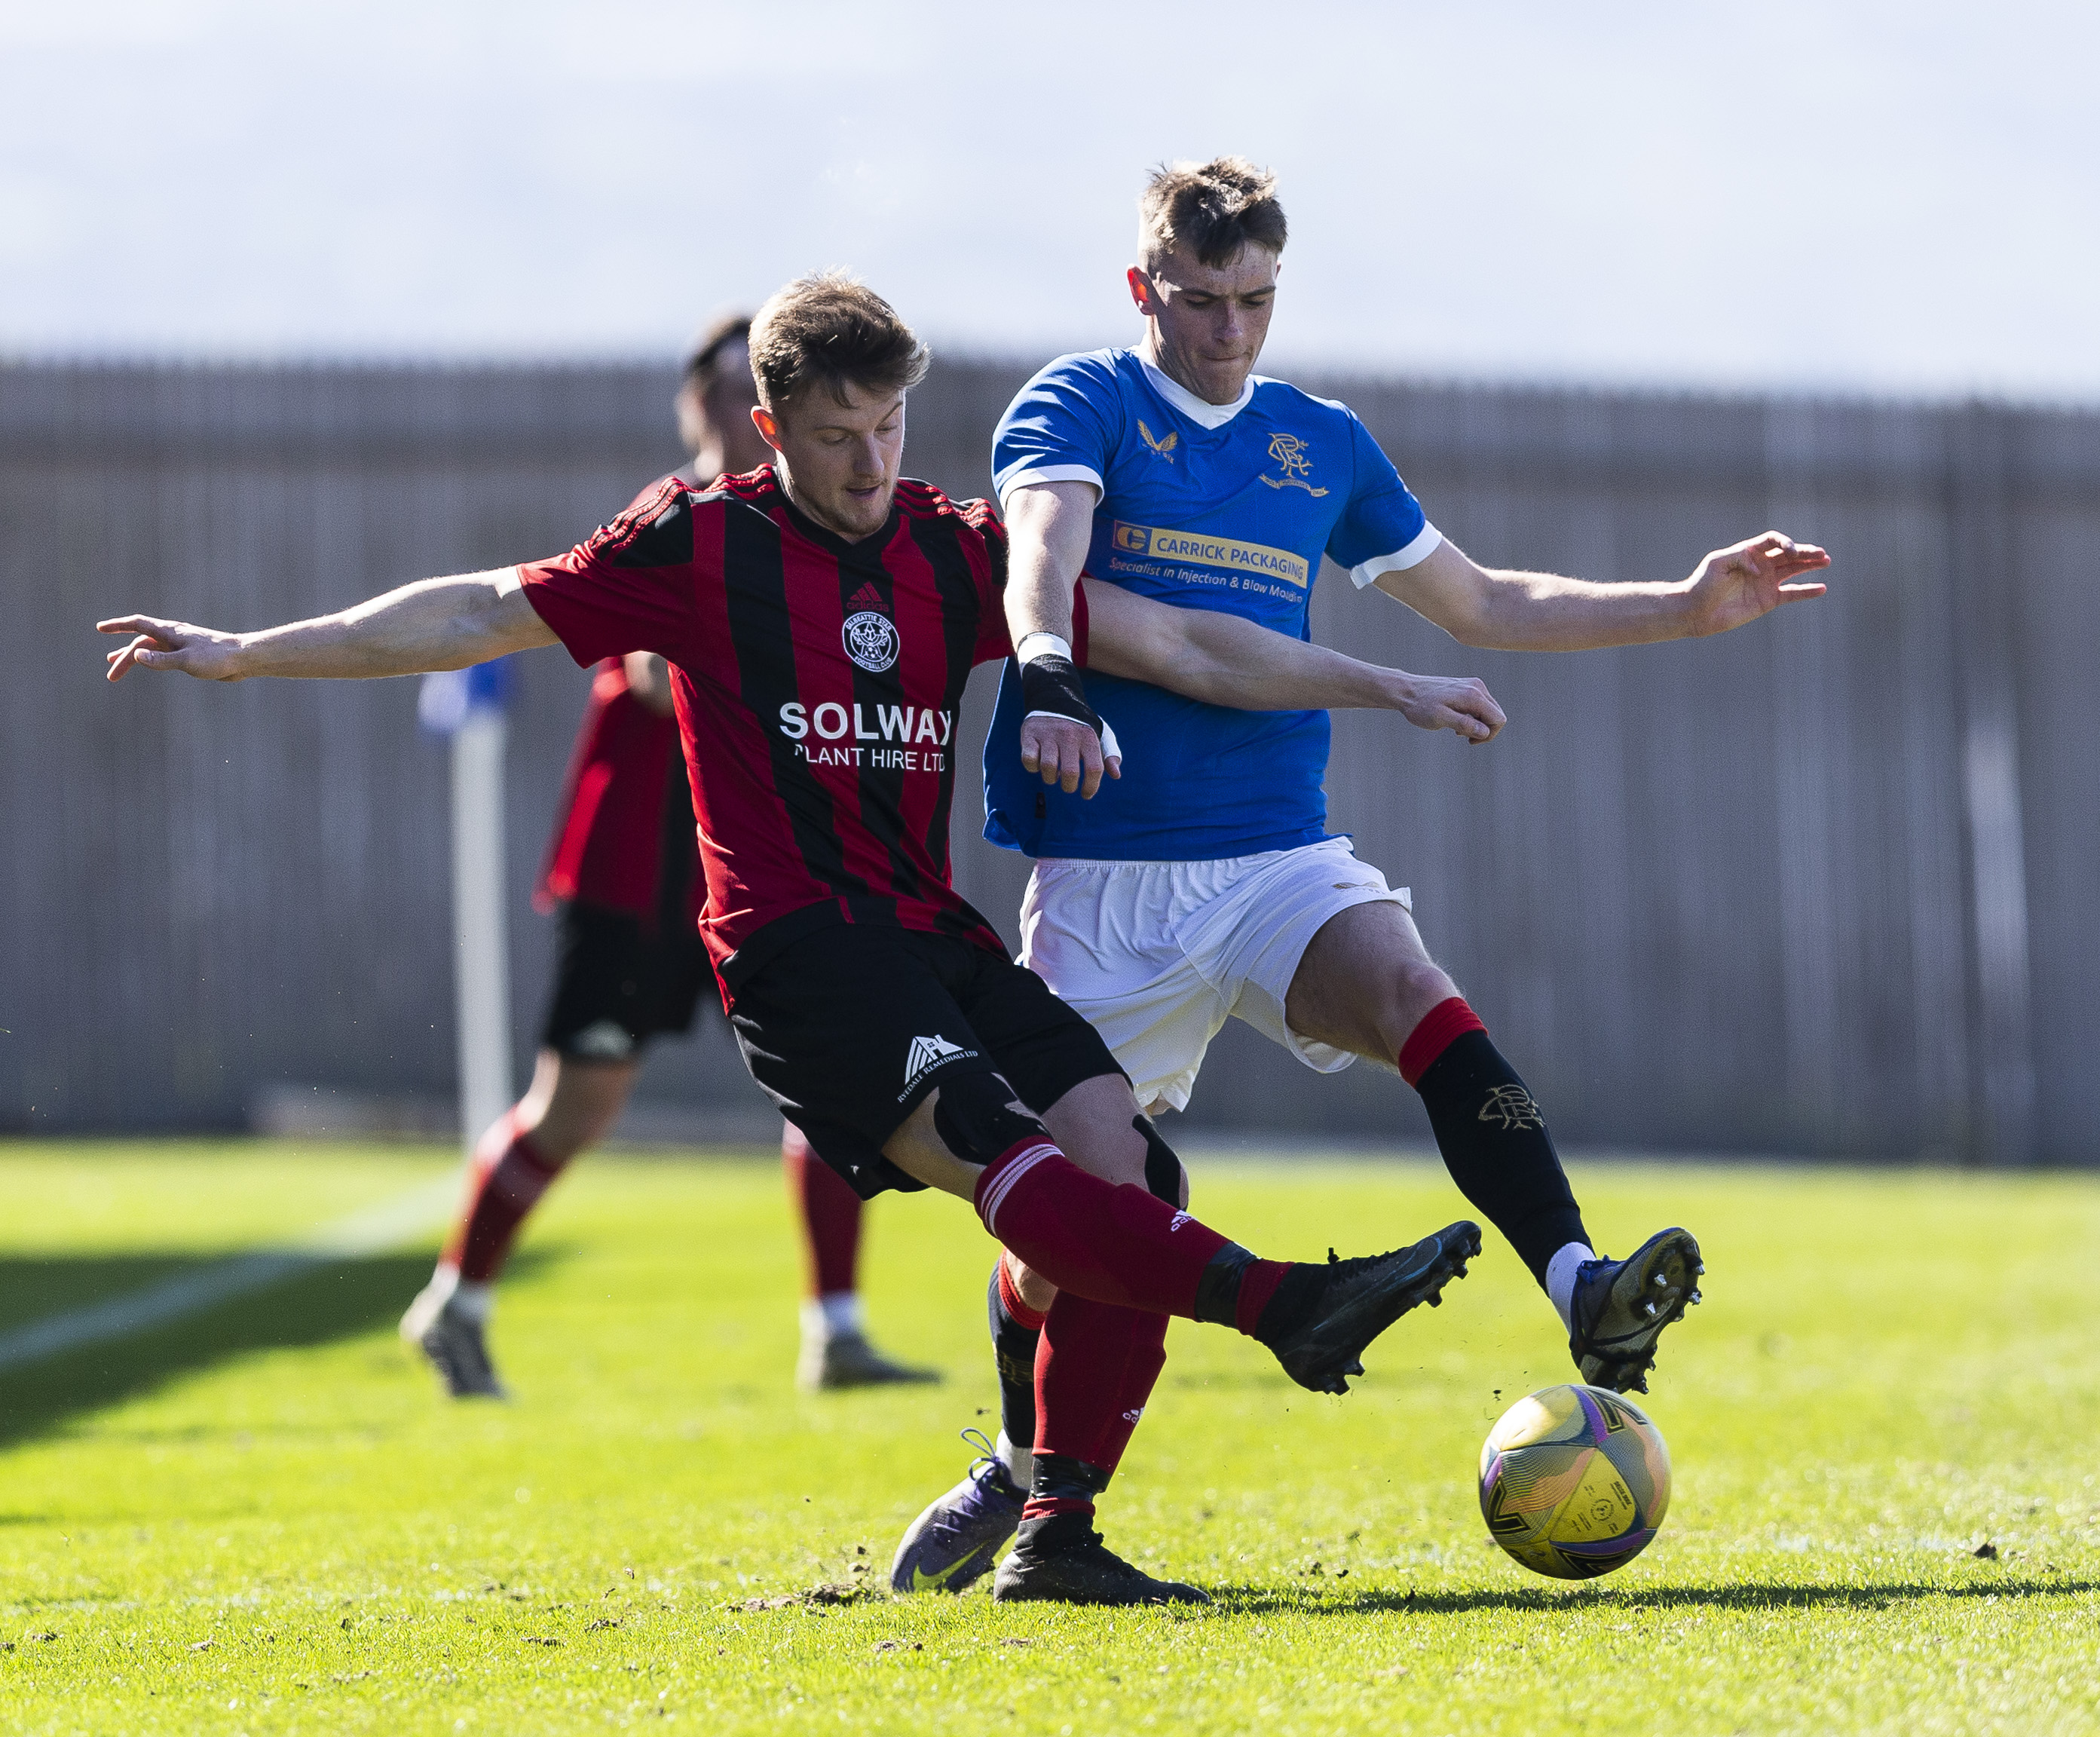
(508, 580)
(1424, 546)
(1040, 644)
(1050, 473)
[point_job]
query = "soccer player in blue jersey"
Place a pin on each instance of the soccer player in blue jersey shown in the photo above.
(1197, 880)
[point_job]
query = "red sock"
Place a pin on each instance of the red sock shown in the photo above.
(1255, 1289)
(1028, 1320)
(830, 1212)
(487, 1153)
(505, 1182)
(1095, 1368)
(1113, 1243)
(1441, 1027)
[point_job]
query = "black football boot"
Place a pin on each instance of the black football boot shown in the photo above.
(1321, 1317)
(1062, 1559)
(1620, 1308)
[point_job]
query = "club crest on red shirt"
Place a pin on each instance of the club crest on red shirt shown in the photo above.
(871, 641)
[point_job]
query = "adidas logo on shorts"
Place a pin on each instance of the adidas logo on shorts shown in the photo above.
(926, 1054)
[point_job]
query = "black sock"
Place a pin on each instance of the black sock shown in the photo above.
(1218, 1285)
(1296, 1293)
(1061, 1500)
(1495, 1145)
(1013, 1351)
(1051, 1533)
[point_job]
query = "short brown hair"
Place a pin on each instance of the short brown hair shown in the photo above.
(704, 356)
(831, 327)
(1216, 208)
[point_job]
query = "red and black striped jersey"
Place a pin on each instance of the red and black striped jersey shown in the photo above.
(624, 837)
(818, 683)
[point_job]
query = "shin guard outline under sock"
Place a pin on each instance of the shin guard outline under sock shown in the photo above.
(1492, 1134)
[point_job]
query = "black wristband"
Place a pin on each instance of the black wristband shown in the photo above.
(1051, 684)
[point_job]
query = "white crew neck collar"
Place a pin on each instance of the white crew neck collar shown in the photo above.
(1196, 409)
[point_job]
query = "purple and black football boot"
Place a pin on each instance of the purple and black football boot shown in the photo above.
(956, 1541)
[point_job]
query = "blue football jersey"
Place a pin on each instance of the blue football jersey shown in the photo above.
(1206, 506)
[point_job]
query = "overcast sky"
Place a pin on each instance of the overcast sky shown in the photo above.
(1846, 195)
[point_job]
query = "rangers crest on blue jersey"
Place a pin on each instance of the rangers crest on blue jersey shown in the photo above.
(1231, 507)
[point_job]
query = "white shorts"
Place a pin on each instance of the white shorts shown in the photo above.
(1157, 955)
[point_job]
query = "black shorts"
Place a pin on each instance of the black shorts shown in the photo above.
(847, 1029)
(616, 985)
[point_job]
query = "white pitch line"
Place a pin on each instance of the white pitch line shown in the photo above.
(367, 1231)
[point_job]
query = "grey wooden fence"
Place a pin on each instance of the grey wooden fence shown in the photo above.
(1822, 886)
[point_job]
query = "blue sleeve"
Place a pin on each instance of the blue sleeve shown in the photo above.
(1064, 426)
(1383, 527)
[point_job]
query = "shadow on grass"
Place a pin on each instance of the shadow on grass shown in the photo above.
(1261, 1600)
(337, 1298)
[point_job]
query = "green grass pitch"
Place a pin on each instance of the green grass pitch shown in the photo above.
(262, 1519)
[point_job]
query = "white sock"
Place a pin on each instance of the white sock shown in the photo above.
(473, 1300)
(1020, 1463)
(829, 1316)
(1560, 1280)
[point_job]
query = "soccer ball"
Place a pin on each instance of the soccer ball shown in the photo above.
(1574, 1481)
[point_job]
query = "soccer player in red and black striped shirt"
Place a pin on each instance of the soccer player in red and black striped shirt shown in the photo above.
(623, 874)
(821, 617)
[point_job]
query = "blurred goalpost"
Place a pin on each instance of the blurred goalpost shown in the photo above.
(467, 706)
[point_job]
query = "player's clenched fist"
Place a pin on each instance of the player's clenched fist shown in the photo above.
(1063, 739)
(1460, 703)
(1064, 751)
(172, 645)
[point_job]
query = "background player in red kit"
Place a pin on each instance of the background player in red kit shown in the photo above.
(623, 871)
(821, 617)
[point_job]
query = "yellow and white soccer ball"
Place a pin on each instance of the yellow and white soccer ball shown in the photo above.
(1574, 1481)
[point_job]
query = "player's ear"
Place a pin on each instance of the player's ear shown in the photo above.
(769, 429)
(1140, 289)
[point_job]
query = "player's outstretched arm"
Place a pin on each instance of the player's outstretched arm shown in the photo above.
(1227, 660)
(434, 624)
(1509, 611)
(1048, 526)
